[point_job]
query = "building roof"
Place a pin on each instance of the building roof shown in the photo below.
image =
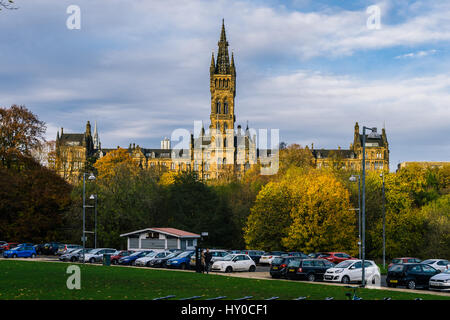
(169, 231)
(325, 153)
(72, 137)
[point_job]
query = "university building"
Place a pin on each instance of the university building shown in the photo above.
(221, 149)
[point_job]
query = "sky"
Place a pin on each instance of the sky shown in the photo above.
(310, 68)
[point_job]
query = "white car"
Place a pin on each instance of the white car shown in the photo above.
(438, 264)
(145, 260)
(440, 281)
(351, 271)
(234, 262)
(269, 257)
(96, 255)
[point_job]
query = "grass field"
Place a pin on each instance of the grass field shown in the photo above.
(47, 280)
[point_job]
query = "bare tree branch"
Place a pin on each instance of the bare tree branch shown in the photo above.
(7, 4)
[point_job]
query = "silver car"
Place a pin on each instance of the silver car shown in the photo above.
(440, 281)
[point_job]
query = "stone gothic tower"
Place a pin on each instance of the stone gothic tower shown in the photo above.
(223, 87)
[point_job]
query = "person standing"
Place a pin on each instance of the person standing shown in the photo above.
(208, 257)
(203, 260)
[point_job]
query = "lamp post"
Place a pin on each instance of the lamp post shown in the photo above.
(94, 197)
(374, 130)
(384, 224)
(353, 178)
(90, 178)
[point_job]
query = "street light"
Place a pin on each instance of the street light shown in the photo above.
(384, 224)
(90, 178)
(355, 178)
(94, 197)
(373, 130)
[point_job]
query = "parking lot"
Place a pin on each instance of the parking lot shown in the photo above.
(261, 272)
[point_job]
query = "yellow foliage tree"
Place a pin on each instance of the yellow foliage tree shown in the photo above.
(168, 178)
(108, 165)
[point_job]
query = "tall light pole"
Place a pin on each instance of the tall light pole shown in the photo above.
(94, 197)
(384, 224)
(90, 178)
(374, 130)
(353, 178)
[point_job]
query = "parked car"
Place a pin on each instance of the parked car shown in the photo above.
(215, 255)
(336, 257)
(279, 265)
(308, 269)
(314, 255)
(20, 252)
(297, 254)
(404, 260)
(181, 261)
(234, 262)
(119, 254)
(65, 248)
(161, 262)
(3, 244)
(440, 281)
(438, 264)
(351, 271)
(51, 248)
(254, 254)
(144, 260)
(9, 245)
(410, 275)
(96, 255)
(268, 257)
(74, 255)
(130, 259)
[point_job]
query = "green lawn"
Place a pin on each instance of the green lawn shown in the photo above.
(47, 280)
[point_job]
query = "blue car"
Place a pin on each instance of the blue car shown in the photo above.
(181, 261)
(131, 259)
(20, 252)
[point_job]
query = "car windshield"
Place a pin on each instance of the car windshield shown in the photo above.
(76, 250)
(396, 260)
(15, 248)
(184, 254)
(344, 264)
(396, 268)
(294, 263)
(136, 253)
(277, 261)
(429, 261)
(228, 257)
(150, 254)
(172, 255)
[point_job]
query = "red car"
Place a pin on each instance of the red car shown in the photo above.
(122, 253)
(9, 246)
(404, 260)
(336, 257)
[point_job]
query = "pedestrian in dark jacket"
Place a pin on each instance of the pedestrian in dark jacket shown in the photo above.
(208, 257)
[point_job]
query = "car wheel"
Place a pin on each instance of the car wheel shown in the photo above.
(148, 264)
(73, 259)
(411, 284)
(14, 256)
(183, 266)
(311, 277)
(33, 255)
(345, 279)
(229, 270)
(91, 260)
(114, 262)
(252, 269)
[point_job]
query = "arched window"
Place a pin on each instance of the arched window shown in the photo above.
(225, 107)
(220, 83)
(218, 107)
(216, 83)
(224, 142)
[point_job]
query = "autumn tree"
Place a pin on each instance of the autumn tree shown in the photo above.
(20, 132)
(295, 155)
(108, 165)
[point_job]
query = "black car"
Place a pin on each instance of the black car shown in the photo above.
(254, 254)
(279, 265)
(161, 262)
(297, 254)
(51, 248)
(307, 269)
(39, 248)
(410, 275)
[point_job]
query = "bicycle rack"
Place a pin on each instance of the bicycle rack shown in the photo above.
(164, 298)
(191, 298)
(244, 298)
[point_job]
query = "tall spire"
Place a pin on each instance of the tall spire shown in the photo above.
(96, 140)
(223, 60)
